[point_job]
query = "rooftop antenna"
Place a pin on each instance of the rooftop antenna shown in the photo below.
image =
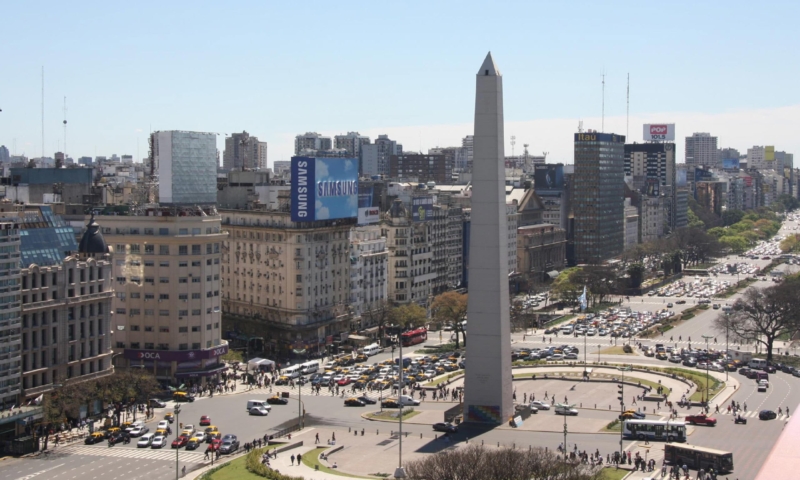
(42, 111)
(65, 129)
(580, 126)
(513, 142)
(603, 114)
(628, 106)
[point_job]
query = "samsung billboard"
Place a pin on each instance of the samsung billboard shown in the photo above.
(659, 132)
(730, 163)
(548, 177)
(324, 188)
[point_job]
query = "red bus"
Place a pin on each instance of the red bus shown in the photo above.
(413, 337)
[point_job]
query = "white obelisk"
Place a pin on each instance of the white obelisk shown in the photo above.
(488, 390)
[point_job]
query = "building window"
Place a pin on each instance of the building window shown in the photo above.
(183, 280)
(196, 328)
(149, 249)
(183, 313)
(134, 328)
(163, 280)
(149, 346)
(195, 312)
(183, 250)
(148, 328)
(183, 263)
(208, 327)
(196, 346)
(195, 263)
(164, 263)
(163, 313)
(183, 346)
(163, 296)
(163, 329)
(195, 249)
(163, 231)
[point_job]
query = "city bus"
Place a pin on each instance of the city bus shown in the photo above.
(413, 337)
(673, 431)
(696, 457)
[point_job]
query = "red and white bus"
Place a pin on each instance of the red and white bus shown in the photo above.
(413, 337)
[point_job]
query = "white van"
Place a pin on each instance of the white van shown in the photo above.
(293, 371)
(373, 349)
(258, 403)
(758, 364)
(309, 367)
(407, 401)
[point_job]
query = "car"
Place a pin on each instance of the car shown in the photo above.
(353, 402)
(214, 445)
(390, 403)
(565, 410)
(771, 369)
(628, 414)
(744, 371)
(571, 356)
(715, 306)
(367, 400)
(276, 400)
(211, 433)
(205, 420)
(680, 302)
(138, 431)
(690, 362)
(767, 415)
(556, 356)
(259, 411)
(180, 441)
(163, 424)
(540, 405)
(170, 417)
(446, 427)
(701, 419)
(95, 437)
(158, 442)
(762, 387)
(229, 444)
(193, 443)
(156, 403)
(344, 381)
(675, 359)
(145, 441)
(670, 305)
(182, 397)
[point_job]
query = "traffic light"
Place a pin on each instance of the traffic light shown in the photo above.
(620, 392)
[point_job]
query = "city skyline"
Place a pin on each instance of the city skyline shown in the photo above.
(114, 99)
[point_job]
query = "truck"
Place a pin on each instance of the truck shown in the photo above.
(701, 419)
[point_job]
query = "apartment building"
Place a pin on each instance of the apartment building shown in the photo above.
(166, 273)
(291, 278)
(10, 323)
(411, 274)
(66, 296)
(369, 272)
(541, 249)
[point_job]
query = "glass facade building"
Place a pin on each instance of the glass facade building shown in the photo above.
(187, 167)
(598, 198)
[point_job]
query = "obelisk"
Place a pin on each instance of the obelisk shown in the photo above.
(488, 390)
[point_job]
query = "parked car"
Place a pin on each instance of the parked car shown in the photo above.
(446, 427)
(95, 437)
(158, 442)
(229, 444)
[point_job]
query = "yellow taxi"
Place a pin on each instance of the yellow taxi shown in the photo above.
(161, 432)
(169, 416)
(95, 437)
(112, 430)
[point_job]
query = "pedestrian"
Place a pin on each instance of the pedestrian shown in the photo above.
(298, 459)
(292, 457)
(316, 438)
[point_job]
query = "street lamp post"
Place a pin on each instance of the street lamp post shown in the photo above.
(177, 420)
(622, 408)
(727, 348)
(707, 338)
(400, 472)
(300, 413)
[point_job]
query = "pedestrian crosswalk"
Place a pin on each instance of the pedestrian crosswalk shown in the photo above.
(143, 453)
(750, 414)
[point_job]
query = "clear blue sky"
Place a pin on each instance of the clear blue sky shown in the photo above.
(277, 69)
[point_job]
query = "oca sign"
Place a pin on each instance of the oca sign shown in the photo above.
(659, 132)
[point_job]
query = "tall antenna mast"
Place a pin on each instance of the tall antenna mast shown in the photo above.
(65, 129)
(628, 107)
(42, 111)
(603, 113)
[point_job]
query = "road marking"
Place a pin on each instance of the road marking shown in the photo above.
(33, 475)
(144, 453)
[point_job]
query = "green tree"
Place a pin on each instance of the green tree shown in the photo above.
(451, 307)
(409, 315)
(636, 275)
(729, 217)
(790, 244)
(735, 243)
(380, 315)
(563, 287)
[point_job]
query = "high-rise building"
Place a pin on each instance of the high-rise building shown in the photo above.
(10, 338)
(761, 158)
(352, 142)
(186, 167)
(421, 168)
(5, 157)
(369, 272)
(311, 141)
(167, 314)
(701, 150)
(653, 172)
(466, 157)
(598, 203)
(244, 152)
(375, 156)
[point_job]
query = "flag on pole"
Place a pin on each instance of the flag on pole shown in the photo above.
(582, 299)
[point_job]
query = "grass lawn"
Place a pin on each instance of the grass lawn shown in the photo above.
(614, 426)
(388, 415)
(699, 379)
(614, 351)
(311, 459)
(611, 473)
(444, 379)
(235, 470)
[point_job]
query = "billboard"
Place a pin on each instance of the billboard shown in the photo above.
(548, 177)
(659, 132)
(368, 215)
(730, 163)
(365, 197)
(769, 154)
(324, 188)
(680, 177)
(421, 208)
(701, 174)
(651, 186)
